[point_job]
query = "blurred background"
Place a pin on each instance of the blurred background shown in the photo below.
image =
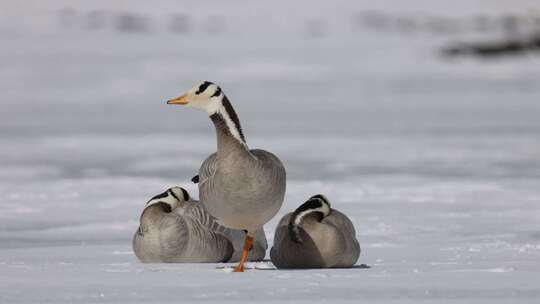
(419, 119)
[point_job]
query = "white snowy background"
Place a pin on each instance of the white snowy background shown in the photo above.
(436, 160)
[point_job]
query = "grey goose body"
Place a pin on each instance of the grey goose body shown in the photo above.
(177, 229)
(251, 199)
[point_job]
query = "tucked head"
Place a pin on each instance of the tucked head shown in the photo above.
(173, 198)
(322, 198)
(205, 96)
(316, 206)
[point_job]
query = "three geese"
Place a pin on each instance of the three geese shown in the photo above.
(240, 190)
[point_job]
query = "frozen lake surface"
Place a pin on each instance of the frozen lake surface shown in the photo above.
(436, 161)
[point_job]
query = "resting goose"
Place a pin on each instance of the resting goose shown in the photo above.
(176, 229)
(242, 188)
(315, 236)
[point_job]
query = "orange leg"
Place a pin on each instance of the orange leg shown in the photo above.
(245, 253)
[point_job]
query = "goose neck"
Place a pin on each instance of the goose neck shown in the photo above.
(230, 137)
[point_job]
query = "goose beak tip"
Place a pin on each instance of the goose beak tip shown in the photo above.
(182, 100)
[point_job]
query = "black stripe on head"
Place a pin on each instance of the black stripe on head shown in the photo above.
(217, 92)
(185, 193)
(322, 198)
(232, 114)
(172, 193)
(312, 203)
(203, 87)
(161, 195)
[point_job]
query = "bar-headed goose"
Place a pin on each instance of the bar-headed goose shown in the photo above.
(242, 188)
(177, 229)
(315, 236)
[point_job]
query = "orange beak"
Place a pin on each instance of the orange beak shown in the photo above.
(182, 100)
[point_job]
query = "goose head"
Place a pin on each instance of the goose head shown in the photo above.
(209, 97)
(323, 198)
(172, 198)
(205, 96)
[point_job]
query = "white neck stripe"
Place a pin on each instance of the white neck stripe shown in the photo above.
(169, 200)
(323, 209)
(230, 124)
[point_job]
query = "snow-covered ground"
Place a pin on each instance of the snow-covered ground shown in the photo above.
(436, 161)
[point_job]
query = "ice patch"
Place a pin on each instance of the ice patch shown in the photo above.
(379, 245)
(123, 252)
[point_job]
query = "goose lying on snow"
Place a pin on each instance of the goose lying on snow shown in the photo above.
(315, 236)
(242, 188)
(175, 229)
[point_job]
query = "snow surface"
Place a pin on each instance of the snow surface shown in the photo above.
(436, 161)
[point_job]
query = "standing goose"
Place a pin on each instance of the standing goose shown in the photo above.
(175, 229)
(242, 188)
(315, 236)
